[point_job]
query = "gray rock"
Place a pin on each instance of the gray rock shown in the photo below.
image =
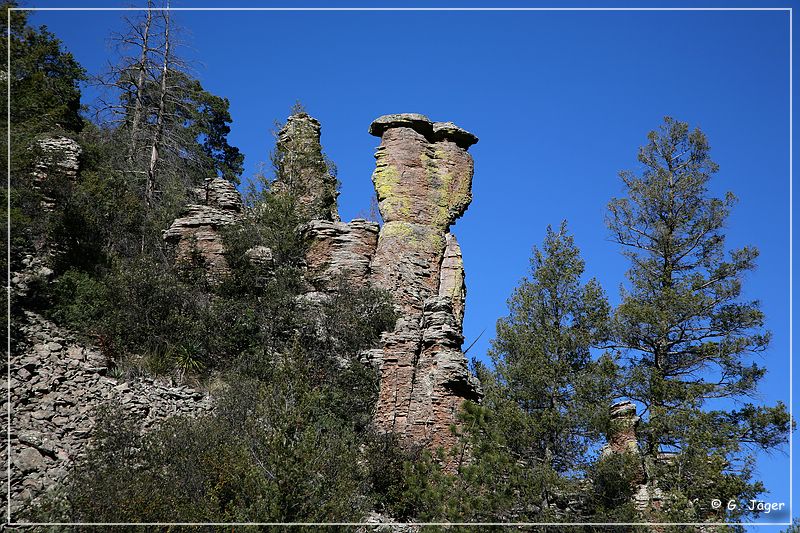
(449, 131)
(54, 410)
(401, 120)
(198, 231)
(75, 352)
(28, 460)
(222, 194)
(339, 252)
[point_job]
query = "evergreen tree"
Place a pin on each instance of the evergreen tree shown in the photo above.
(45, 102)
(45, 96)
(171, 133)
(687, 333)
(547, 396)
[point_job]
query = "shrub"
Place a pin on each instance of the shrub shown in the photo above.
(276, 451)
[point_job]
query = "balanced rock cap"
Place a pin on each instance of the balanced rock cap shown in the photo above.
(433, 130)
(416, 121)
(448, 130)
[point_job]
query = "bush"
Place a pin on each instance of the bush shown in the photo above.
(614, 480)
(276, 451)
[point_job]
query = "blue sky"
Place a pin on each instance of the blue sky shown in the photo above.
(561, 101)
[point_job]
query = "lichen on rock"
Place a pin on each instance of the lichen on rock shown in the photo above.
(303, 171)
(423, 180)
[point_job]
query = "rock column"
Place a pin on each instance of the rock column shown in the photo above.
(622, 433)
(198, 232)
(423, 178)
(56, 156)
(303, 170)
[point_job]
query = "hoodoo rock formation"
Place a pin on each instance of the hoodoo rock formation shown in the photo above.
(622, 439)
(423, 178)
(622, 432)
(197, 232)
(423, 182)
(303, 170)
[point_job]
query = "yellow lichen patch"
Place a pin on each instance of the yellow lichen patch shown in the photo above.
(386, 179)
(431, 166)
(397, 230)
(439, 181)
(435, 239)
(415, 236)
(393, 202)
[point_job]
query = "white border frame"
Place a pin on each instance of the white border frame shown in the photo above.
(8, 522)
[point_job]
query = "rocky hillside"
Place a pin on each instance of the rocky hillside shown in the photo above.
(423, 181)
(57, 385)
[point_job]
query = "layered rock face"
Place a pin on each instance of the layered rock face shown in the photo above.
(339, 251)
(303, 171)
(423, 179)
(197, 231)
(57, 385)
(452, 282)
(56, 156)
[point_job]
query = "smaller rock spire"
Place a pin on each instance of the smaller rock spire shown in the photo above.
(198, 230)
(303, 170)
(622, 431)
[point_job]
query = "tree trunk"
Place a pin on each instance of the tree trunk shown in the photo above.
(137, 108)
(158, 133)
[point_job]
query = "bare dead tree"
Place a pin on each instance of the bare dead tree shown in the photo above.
(159, 120)
(145, 93)
(144, 39)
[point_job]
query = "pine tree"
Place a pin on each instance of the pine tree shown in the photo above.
(686, 332)
(548, 395)
(45, 103)
(45, 97)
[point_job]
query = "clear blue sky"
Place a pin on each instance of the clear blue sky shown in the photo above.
(560, 100)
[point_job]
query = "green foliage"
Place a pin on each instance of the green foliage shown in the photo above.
(45, 101)
(44, 80)
(291, 437)
(195, 126)
(285, 440)
(613, 480)
(547, 396)
(795, 527)
(301, 169)
(141, 309)
(270, 221)
(206, 130)
(685, 330)
(272, 451)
